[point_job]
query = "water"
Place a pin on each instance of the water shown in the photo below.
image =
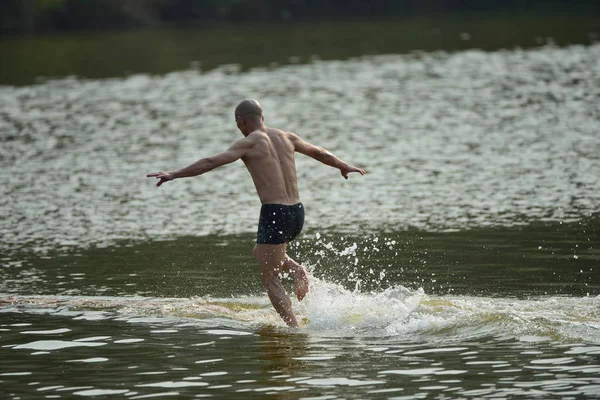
(463, 140)
(384, 345)
(463, 265)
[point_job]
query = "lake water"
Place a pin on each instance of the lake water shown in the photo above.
(465, 264)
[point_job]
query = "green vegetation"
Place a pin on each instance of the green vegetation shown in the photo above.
(19, 17)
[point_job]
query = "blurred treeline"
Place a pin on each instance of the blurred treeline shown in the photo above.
(21, 17)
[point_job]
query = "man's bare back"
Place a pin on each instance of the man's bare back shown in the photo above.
(271, 163)
(269, 155)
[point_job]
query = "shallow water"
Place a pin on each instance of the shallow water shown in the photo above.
(464, 264)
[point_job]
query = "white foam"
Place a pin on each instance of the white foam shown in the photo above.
(329, 306)
(414, 315)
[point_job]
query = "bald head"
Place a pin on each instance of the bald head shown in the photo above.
(248, 109)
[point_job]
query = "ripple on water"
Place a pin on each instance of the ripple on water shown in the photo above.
(48, 332)
(450, 141)
(339, 382)
(56, 345)
(330, 310)
(420, 363)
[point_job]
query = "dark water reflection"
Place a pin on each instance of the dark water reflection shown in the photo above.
(533, 260)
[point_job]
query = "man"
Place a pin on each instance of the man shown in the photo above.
(269, 156)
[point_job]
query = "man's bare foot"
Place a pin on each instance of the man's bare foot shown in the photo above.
(300, 282)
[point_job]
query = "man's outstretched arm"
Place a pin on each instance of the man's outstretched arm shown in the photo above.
(204, 165)
(324, 156)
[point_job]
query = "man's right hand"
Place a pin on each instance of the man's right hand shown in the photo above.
(163, 176)
(349, 168)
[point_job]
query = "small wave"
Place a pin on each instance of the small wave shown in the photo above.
(414, 315)
(331, 310)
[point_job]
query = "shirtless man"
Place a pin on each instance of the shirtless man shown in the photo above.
(269, 156)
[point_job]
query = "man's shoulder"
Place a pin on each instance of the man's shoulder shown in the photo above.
(280, 132)
(276, 131)
(270, 134)
(256, 135)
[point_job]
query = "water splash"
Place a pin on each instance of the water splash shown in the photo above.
(331, 310)
(330, 307)
(352, 257)
(414, 315)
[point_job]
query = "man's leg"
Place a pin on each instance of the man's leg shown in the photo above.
(270, 259)
(299, 274)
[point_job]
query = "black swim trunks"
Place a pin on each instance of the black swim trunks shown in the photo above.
(279, 223)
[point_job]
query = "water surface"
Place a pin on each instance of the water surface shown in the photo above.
(464, 264)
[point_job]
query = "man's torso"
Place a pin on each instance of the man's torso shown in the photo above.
(271, 164)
